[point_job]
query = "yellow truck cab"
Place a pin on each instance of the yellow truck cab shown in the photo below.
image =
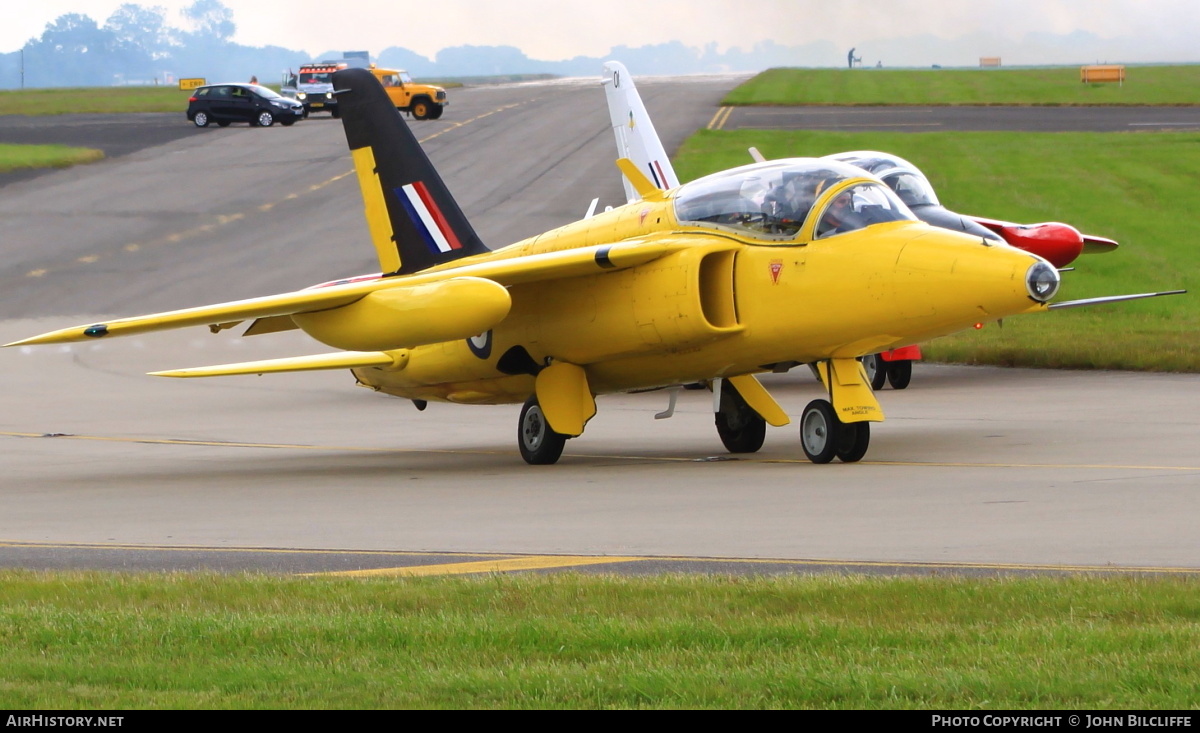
(422, 101)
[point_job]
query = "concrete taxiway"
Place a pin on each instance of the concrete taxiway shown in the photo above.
(975, 469)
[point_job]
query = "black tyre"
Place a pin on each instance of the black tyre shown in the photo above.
(853, 443)
(540, 446)
(436, 112)
(335, 113)
(876, 370)
(223, 123)
(264, 119)
(287, 123)
(740, 428)
(200, 119)
(899, 373)
(420, 108)
(820, 431)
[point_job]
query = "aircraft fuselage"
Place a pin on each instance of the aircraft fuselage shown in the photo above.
(719, 305)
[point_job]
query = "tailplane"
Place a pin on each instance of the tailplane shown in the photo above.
(636, 137)
(414, 221)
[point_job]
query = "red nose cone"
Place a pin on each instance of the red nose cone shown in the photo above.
(1059, 243)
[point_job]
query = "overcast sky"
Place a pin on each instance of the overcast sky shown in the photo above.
(1152, 30)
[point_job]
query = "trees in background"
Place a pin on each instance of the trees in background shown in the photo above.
(137, 46)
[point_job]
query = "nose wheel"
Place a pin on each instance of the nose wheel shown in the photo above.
(823, 436)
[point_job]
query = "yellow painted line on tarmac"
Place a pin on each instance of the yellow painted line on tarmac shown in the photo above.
(456, 125)
(604, 456)
(226, 219)
(541, 562)
(494, 562)
(720, 118)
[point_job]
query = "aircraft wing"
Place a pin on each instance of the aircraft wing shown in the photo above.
(221, 315)
(422, 298)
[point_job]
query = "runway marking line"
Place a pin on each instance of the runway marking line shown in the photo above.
(607, 456)
(720, 118)
(226, 219)
(538, 562)
(488, 562)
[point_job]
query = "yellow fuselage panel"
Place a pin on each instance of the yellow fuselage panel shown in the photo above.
(722, 306)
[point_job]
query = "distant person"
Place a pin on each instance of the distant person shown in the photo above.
(253, 79)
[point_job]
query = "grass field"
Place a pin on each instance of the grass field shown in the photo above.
(17, 157)
(1136, 188)
(1144, 85)
(106, 100)
(95, 641)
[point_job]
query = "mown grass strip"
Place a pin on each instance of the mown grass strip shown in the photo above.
(1136, 188)
(103, 100)
(23, 157)
(1144, 85)
(100, 641)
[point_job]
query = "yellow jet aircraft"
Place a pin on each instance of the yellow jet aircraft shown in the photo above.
(687, 285)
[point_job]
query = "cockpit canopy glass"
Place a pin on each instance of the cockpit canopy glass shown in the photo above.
(860, 206)
(909, 183)
(771, 200)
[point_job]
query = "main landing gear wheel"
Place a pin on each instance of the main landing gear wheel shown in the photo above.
(824, 436)
(740, 428)
(853, 443)
(540, 446)
(876, 370)
(899, 373)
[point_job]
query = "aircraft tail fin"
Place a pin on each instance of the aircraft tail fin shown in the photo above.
(414, 221)
(636, 137)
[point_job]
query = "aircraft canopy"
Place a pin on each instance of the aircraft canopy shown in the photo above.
(772, 200)
(909, 183)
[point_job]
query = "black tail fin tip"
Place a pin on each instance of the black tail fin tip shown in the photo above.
(427, 226)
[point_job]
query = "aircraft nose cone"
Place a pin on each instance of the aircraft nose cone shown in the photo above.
(1041, 280)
